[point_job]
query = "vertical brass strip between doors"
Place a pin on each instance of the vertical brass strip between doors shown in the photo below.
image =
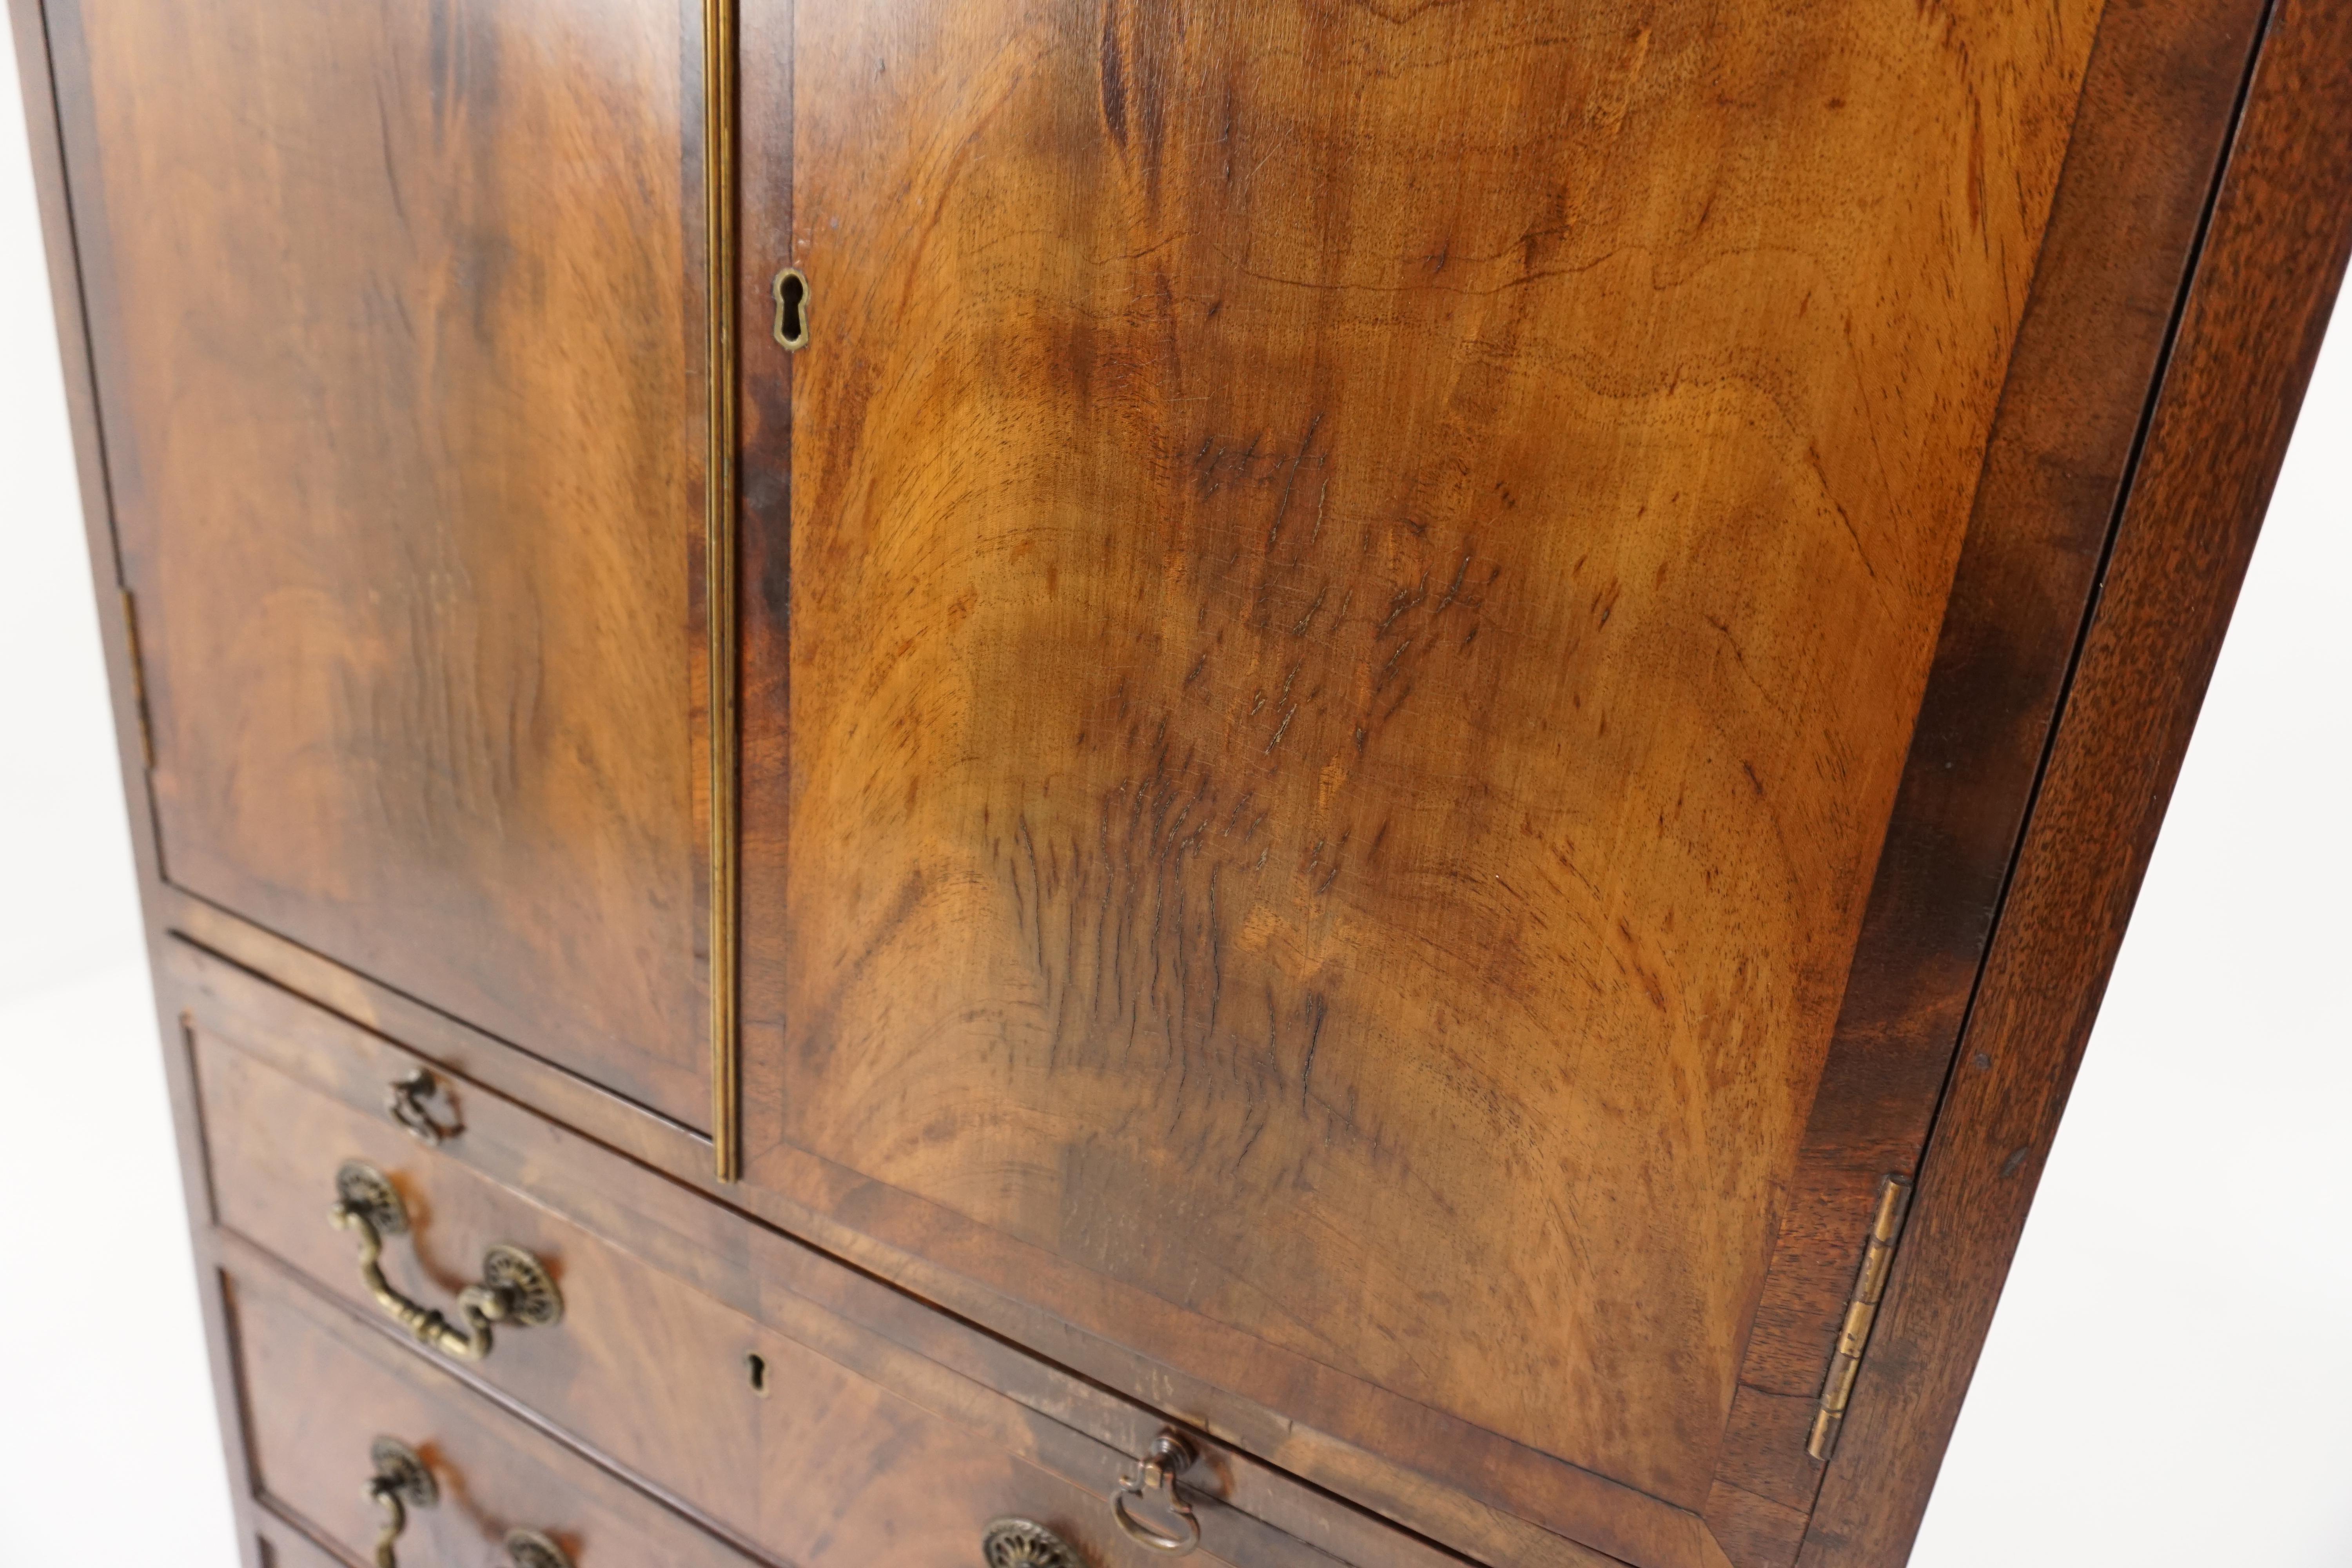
(719, 599)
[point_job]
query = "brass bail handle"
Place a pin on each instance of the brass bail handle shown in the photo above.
(1169, 1456)
(400, 1482)
(515, 1287)
(397, 1481)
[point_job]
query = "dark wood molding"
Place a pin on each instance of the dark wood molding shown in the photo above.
(2249, 333)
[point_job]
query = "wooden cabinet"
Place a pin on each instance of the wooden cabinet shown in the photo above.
(1403, 741)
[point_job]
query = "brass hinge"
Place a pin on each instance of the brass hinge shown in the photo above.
(137, 679)
(1860, 1313)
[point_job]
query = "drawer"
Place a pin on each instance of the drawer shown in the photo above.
(323, 1396)
(796, 1408)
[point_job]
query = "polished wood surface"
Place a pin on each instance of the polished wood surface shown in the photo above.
(365, 1063)
(880, 1432)
(1166, 943)
(1356, 604)
(447, 1042)
(397, 340)
(2249, 333)
(644, 1369)
(2150, 137)
(827, 1467)
(322, 1392)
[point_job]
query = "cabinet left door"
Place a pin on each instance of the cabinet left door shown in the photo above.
(397, 314)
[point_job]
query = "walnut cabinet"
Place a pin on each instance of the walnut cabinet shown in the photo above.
(1320, 781)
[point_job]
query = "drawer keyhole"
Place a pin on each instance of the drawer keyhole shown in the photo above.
(791, 292)
(755, 1367)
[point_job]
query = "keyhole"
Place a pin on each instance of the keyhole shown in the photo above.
(791, 289)
(755, 1366)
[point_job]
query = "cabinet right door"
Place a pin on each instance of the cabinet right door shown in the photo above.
(1360, 581)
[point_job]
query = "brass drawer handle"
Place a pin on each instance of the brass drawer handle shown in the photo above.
(1169, 1456)
(401, 1482)
(397, 1482)
(407, 1104)
(515, 1287)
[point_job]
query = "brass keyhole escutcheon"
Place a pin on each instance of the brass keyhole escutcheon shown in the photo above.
(790, 291)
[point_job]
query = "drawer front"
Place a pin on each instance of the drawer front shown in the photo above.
(321, 1393)
(679, 1356)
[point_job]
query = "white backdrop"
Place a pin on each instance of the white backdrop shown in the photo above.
(2169, 1380)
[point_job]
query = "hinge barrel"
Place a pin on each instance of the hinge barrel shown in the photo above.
(1860, 1313)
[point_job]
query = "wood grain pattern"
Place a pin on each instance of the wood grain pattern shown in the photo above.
(1368, 983)
(2147, 148)
(397, 345)
(905, 1428)
(446, 1041)
(321, 1398)
(428, 1038)
(828, 1468)
(2249, 331)
(1360, 582)
(852, 1318)
(362, 1063)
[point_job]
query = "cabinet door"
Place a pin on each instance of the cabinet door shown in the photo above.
(396, 312)
(1359, 580)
